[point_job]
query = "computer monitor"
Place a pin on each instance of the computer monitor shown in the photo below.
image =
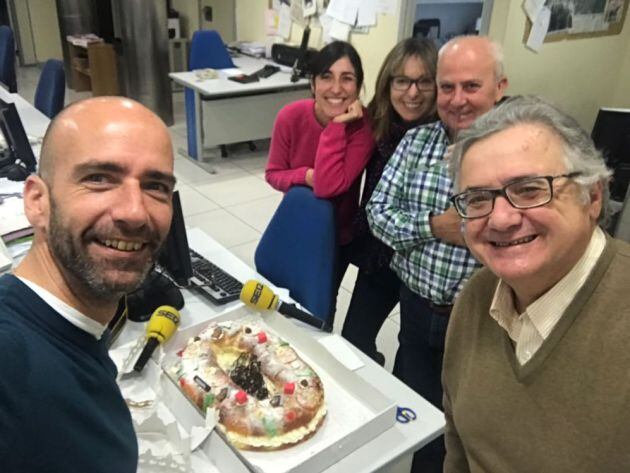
(611, 135)
(175, 255)
(18, 149)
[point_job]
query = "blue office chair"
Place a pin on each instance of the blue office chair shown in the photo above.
(7, 59)
(206, 50)
(298, 251)
(51, 88)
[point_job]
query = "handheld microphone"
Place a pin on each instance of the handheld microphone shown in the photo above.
(258, 296)
(161, 327)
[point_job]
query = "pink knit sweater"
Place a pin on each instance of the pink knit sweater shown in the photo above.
(338, 154)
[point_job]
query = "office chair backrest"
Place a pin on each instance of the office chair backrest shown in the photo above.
(51, 88)
(206, 50)
(298, 250)
(7, 58)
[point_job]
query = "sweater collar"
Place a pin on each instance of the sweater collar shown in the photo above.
(34, 310)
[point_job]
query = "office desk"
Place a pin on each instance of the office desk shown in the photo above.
(35, 122)
(392, 450)
(230, 112)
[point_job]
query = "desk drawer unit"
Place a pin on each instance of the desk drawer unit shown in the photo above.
(243, 118)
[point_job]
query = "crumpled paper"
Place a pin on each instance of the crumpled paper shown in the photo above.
(163, 445)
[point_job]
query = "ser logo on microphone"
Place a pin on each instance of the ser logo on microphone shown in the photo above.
(160, 328)
(168, 313)
(257, 292)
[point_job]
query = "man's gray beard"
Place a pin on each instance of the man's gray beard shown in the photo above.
(82, 270)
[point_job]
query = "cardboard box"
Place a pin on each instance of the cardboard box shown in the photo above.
(356, 411)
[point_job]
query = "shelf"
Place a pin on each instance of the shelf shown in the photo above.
(82, 71)
(94, 68)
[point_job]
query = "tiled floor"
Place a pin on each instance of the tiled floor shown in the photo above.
(232, 205)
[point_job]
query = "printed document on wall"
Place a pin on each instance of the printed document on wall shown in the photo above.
(284, 22)
(532, 8)
(539, 30)
(345, 11)
(339, 30)
(326, 22)
(367, 13)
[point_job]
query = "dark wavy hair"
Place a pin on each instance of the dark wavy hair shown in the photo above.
(380, 108)
(330, 54)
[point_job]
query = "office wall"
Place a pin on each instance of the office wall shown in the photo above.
(371, 47)
(579, 75)
(621, 97)
(250, 20)
(45, 26)
(23, 33)
(188, 16)
(249, 9)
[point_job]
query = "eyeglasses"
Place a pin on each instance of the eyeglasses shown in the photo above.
(525, 193)
(402, 83)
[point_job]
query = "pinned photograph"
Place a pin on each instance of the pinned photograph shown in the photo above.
(561, 14)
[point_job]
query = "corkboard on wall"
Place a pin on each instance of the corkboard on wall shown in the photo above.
(613, 13)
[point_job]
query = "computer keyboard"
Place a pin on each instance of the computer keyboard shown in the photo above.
(212, 281)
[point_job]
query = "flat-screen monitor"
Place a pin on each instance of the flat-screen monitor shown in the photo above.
(611, 135)
(18, 149)
(175, 255)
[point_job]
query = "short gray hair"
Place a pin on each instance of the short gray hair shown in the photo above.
(496, 50)
(580, 152)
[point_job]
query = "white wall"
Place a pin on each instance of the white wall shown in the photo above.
(23, 33)
(250, 20)
(580, 75)
(621, 95)
(45, 25)
(188, 16)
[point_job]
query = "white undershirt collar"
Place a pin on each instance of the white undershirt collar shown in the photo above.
(69, 313)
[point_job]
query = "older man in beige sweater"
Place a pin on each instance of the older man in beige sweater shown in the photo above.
(536, 364)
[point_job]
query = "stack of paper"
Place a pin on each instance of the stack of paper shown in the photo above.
(13, 222)
(253, 49)
(84, 39)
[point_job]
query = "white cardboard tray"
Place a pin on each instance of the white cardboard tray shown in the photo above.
(356, 411)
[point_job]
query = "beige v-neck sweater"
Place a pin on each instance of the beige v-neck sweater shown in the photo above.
(568, 408)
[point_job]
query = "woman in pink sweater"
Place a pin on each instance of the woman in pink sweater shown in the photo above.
(326, 142)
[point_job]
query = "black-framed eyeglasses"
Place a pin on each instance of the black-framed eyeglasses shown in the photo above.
(525, 193)
(402, 83)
